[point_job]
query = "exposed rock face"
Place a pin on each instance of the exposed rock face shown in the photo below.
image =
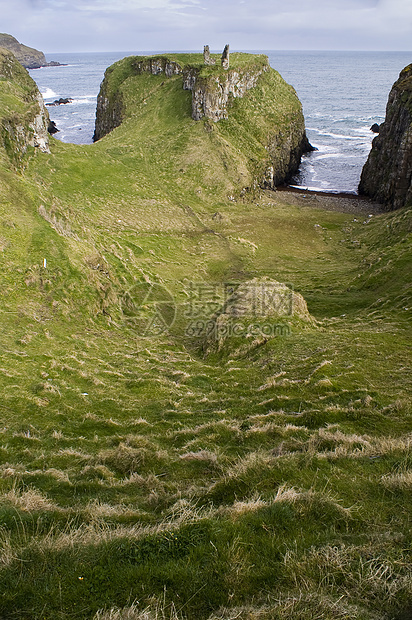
(109, 113)
(29, 57)
(22, 130)
(210, 95)
(285, 149)
(39, 126)
(20, 133)
(387, 174)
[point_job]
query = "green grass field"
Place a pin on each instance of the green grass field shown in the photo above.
(148, 470)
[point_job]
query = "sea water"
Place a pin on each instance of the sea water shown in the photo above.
(343, 94)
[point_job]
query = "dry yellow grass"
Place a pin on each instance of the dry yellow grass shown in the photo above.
(401, 481)
(29, 501)
(156, 611)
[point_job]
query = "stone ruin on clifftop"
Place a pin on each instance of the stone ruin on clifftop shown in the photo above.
(225, 57)
(211, 61)
(206, 56)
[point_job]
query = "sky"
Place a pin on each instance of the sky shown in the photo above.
(167, 25)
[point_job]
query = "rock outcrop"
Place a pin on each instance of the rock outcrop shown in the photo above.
(52, 128)
(387, 174)
(285, 149)
(61, 101)
(28, 127)
(211, 93)
(29, 57)
(109, 111)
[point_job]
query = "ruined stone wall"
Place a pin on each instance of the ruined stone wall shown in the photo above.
(157, 66)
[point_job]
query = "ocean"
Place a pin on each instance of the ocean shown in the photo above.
(343, 94)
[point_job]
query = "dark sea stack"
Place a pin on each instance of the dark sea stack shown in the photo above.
(387, 174)
(375, 128)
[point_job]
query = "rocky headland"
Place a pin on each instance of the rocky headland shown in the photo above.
(29, 57)
(387, 174)
(273, 118)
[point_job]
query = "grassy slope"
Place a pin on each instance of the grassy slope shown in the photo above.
(272, 479)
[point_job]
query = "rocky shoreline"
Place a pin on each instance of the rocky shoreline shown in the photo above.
(52, 63)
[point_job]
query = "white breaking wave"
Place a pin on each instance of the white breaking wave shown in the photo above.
(333, 135)
(85, 100)
(328, 156)
(48, 93)
(324, 189)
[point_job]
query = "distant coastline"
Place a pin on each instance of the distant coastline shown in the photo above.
(29, 57)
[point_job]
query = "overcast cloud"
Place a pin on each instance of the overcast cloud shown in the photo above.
(137, 25)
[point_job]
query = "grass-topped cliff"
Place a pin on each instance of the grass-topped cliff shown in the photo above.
(150, 463)
(387, 174)
(263, 130)
(23, 117)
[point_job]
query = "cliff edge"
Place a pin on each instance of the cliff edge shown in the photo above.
(250, 101)
(24, 119)
(387, 174)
